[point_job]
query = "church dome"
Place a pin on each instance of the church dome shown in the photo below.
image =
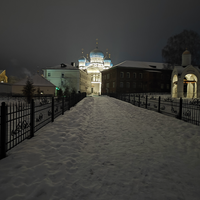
(186, 52)
(107, 58)
(96, 53)
(82, 59)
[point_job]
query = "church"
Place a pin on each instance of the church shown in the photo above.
(185, 79)
(94, 65)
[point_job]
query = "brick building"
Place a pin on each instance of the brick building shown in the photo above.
(132, 76)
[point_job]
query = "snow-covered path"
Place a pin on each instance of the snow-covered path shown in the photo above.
(106, 149)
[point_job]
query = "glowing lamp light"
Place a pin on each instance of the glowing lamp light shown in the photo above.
(57, 88)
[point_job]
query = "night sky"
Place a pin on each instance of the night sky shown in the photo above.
(35, 34)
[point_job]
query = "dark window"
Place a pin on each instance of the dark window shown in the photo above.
(121, 84)
(134, 75)
(121, 74)
(167, 86)
(127, 74)
(140, 85)
(128, 84)
(49, 74)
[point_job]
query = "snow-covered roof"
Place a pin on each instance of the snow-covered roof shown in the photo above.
(141, 64)
(38, 80)
(154, 71)
(63, 66)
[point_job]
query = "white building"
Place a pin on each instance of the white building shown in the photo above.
(67, 75)
(185, 79)
(94, 66)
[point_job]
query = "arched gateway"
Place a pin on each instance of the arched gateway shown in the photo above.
(190, 86)
(185, 79)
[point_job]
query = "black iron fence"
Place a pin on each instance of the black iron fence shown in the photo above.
(19, 121)
(184, 109)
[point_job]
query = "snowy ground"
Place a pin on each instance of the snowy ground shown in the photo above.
(106, 149)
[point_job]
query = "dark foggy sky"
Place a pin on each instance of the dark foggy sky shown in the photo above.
(48, 32)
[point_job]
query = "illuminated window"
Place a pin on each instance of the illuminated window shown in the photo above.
(121, 84)
(121, 74)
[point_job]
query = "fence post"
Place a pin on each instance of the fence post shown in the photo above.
(146, 101)
(3, 139)
(159, 104)
(32, 118)
(63, 105)
(180, 108)
(52, 110)
(139, 101)
(69, 102)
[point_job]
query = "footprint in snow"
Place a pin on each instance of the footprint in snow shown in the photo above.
(91, 172)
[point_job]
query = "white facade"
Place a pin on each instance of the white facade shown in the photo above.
(66, 75)
(98, 62)
(185, 79)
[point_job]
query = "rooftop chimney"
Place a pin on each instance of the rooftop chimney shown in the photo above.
(73, 64)
(63, 65)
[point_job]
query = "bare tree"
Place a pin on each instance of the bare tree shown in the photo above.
(73, 91)
(67, 91)
(177, 44)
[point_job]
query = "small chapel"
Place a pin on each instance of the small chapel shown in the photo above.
(185, 79)
(94, 65)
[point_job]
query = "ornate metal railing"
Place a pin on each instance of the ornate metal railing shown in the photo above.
(19, 121)
(184, 109)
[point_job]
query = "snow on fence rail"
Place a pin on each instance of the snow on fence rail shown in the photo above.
(19, 121)
(184, 109)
